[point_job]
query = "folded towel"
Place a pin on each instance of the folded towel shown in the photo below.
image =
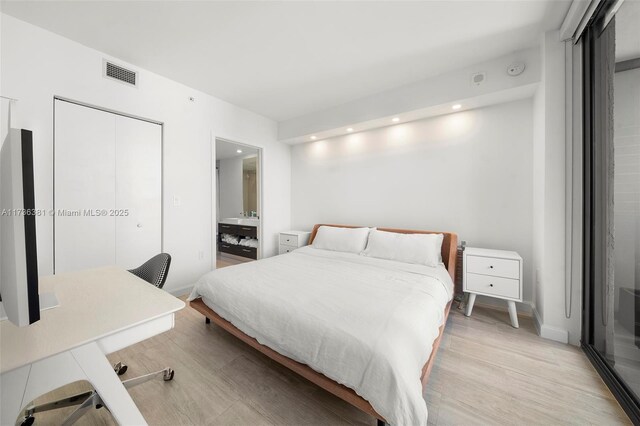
(230, 239)
(249, 242)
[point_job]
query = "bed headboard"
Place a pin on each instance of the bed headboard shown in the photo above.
(449, 243)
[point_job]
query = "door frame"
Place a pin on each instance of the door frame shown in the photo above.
(214, 218)
(53, 168)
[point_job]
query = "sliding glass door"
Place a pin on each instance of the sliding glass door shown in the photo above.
(611, 321)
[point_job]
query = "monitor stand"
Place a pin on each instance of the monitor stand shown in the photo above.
(47, 301)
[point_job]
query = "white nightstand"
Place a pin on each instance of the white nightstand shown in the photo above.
(291, 240)
(494, 273)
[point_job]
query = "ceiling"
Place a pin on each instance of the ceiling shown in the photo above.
(226, 149)
(287, 59)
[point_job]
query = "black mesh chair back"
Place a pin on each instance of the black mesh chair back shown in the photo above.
(154, 270)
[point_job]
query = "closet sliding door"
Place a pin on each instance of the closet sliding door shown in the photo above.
(138, 191)
(107, 189)
(84, 178)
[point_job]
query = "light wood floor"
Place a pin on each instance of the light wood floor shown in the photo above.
(224, 260)
(486, 373)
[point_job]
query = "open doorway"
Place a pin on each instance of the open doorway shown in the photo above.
(238, 203)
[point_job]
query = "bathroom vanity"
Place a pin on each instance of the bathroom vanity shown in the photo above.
(241, 228)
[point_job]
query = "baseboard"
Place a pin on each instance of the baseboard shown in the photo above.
(536, 320)
(548, 332)
(183, 291)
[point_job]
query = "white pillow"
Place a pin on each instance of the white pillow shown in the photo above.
(422, 249)
(350, 240)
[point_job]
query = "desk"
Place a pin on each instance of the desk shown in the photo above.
(101, 311)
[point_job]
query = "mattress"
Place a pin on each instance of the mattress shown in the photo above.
(366, 323)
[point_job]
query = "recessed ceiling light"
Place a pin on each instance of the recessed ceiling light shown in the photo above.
(350, 129)
(313, 138)
(456, 106)
(239, 151)
(395, 119)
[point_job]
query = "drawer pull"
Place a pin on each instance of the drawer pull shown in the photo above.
(247, 229)
(490, 266)
(490, 285)
(249, 251)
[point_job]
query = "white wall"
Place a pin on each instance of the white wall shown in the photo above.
(550, 140)
(231, 204)
(538, 199)
(469, 172)
(4, 103)
(37, 65)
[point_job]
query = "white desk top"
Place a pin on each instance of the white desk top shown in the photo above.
(93, 304)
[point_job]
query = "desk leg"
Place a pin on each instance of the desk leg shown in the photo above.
(106, 382)
(12, 386)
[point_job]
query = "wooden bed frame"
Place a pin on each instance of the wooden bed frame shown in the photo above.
(449, 250)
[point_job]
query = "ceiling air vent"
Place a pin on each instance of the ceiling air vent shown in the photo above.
(121, 74)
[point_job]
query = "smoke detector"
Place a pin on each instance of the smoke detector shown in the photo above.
(478, 78)
(516, 69)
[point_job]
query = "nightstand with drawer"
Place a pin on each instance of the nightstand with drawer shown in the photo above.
(493, 273)
(291, 240)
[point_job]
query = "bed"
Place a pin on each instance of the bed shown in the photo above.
(365, 329)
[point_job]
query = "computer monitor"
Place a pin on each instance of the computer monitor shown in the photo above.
(18, 253)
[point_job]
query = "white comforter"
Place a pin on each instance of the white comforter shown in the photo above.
(366, 323)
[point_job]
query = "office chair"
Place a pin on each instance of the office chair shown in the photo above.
(154, 271)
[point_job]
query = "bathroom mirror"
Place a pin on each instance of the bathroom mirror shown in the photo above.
(250, 186)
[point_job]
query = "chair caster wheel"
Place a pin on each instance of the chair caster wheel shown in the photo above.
(120, 368)
(28, 421)
(168, 375)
